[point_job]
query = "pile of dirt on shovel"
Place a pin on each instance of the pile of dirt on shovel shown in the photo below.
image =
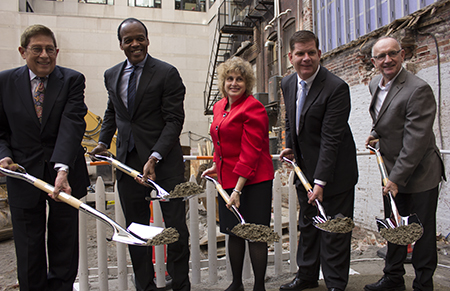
(337, 225)
(256, 232)
(185, 190)
(402, 235)
(167, 236)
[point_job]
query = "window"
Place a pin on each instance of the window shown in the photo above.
(109, 2)
(337, 22)
(288, 31)
(190, 5)
(145, 3)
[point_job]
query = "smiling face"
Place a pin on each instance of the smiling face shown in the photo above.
(234, 86)
(391, 64)
(305, 57)
(134, 41)
(41, 64)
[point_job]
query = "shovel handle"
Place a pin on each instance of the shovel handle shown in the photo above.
(64, 197)
(300, 175)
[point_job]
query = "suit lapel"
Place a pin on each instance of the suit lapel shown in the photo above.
(24, 92)
(396, 87)
(54, 84)
(146, 77)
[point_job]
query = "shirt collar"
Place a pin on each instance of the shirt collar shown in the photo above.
(139, 65)
(388, 85)
(33, 75)
(310, 80)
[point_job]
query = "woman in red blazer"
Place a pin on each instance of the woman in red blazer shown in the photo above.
(242, 162)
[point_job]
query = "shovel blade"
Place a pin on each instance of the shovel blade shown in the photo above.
(145, 232)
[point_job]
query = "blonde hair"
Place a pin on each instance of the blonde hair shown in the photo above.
(240, 66)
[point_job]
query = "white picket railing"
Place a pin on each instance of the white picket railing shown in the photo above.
(100, 274)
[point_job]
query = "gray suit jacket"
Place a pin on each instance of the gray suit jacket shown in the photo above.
(404, 127)
(157, 118)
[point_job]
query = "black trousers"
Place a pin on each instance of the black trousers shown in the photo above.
(136, 209)
(424, 256)
(29, 229)
(317, 247)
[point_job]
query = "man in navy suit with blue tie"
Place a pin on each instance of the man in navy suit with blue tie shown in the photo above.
(319, 136)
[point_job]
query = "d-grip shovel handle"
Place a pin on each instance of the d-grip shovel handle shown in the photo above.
(226, 198)
(133, 173)
(307, 185)
(384, 176)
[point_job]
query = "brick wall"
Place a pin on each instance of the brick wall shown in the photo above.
(352, 63)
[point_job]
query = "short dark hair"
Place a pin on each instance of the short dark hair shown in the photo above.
(302, 36)
(130, 20)
(33, 30)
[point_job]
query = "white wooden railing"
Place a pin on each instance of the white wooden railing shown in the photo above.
(87, 275)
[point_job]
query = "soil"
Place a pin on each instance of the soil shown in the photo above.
(256, 232)
(403, 235)
(337, 225)
(366, 261)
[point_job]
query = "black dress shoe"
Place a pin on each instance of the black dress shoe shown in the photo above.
(298, 284)
(385, 284)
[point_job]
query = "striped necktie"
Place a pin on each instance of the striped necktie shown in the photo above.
(131, 90)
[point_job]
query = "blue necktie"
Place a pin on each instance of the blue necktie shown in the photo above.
(130, 100)
(300, 103)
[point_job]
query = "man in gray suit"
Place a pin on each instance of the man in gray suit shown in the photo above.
(403, 109)
(145, 105)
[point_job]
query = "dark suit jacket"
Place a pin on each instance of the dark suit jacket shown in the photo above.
(324, 147)
(405, 129)
(56, 140)
(157, 118)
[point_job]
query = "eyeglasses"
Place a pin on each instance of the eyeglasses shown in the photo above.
(37, 50)
(382, 57)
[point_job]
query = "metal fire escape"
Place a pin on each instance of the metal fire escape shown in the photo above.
(235, 18)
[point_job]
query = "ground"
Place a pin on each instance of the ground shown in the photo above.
(365, 261)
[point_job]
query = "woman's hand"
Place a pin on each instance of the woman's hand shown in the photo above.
(235, 200)
(210, 171)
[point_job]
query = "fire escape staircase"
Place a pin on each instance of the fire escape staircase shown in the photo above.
(234, 18)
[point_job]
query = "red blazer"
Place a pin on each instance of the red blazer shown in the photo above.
(241, 142)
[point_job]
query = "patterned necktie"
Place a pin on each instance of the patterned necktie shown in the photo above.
(300, 103)
(38, 97)
(131, 90)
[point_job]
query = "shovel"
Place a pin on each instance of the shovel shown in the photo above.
(321, 217)
(161, 193)
(226, 198)
(249, 231)
(136, 234)
(396, 220)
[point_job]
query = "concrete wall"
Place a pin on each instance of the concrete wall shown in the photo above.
(87, 38)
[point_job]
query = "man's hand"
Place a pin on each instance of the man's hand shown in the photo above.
(61, 184)
(7, 163)
(390, 187)
(100, 149)
(317, 194)
(371, 140)
(288, 153)
(148, 171)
